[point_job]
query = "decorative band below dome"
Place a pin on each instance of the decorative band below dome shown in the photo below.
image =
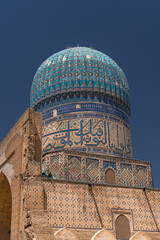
(83, 96)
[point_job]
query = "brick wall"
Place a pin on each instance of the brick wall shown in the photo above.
(20, 156)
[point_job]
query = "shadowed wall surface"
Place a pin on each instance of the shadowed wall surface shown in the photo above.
(5, 208)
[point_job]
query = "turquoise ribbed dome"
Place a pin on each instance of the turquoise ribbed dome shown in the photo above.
(79, 70)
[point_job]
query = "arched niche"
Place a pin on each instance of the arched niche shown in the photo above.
(110, 176)
(65, 234)
(122, 228)
(103, 235)
(5, 207)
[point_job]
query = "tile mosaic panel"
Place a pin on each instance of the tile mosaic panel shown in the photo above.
(74, 168)
(141, 176)
(54, 166)
(126, 175)
(107, 164)
(91, 168)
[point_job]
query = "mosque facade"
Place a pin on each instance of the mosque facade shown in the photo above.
(66, 167)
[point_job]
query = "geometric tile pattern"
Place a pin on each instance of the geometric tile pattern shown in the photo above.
(92, 170)
(72, 205)
(54, 163)
(34, 195)
(154, 199)
(79, 69)
(141, 177)
(107, 164)
(85, 167)
(126, 175)
(74, 168)
(34, 167)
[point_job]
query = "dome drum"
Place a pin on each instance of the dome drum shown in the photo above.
(84, 99)
(87, 127)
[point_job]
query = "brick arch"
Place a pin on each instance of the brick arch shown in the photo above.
(103, 235)
(122, 228)
(8, 171)
(5, 207)
(65, 234)
(110, 177)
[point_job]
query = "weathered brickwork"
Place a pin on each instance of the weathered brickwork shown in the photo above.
(20, 156)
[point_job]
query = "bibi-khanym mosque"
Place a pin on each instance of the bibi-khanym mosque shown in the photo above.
(66, 168)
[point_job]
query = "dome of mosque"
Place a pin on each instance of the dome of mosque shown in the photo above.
(79, 72)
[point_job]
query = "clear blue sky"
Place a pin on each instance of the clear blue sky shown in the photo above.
(127, 31)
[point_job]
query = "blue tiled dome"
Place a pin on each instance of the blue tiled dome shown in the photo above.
(79, 71)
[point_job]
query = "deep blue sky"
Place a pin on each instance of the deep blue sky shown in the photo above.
(127, 31)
